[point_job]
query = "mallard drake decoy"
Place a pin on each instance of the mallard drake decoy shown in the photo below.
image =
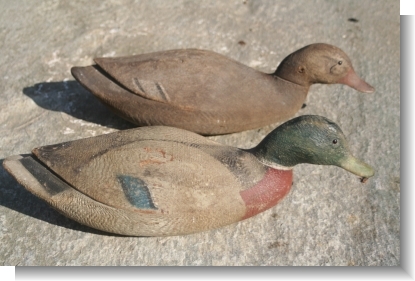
(159, 181)
(208, 93)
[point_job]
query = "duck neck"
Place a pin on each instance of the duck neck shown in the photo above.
(291, 76)
(275, 152)
(295, 87)
(292, 69)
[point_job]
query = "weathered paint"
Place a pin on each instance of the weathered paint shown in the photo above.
(267, 192)
(51, 184)
(136, 192)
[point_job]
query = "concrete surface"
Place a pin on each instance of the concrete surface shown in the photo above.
(329, 218)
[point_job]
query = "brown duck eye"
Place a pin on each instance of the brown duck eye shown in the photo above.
(335, 141)
(340, 62)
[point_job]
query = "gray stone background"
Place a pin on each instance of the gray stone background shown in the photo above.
(329, 217)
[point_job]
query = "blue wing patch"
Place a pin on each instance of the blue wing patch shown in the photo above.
(136, 192)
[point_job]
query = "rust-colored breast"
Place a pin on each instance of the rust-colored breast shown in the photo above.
(267, 192)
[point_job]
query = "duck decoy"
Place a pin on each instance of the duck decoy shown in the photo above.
(208, 93)
(160, 181)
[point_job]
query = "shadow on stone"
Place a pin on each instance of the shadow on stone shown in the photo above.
(17, 198)
(70, 97)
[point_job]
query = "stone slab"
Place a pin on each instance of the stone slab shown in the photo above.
(329, 217)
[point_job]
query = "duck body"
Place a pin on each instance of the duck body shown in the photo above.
(164, 181)
(152, 181)
(196, 90)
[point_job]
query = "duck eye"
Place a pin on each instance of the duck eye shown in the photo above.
(339, 62)
(334, 141)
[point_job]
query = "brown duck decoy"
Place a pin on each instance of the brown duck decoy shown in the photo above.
(159, 181)
(208, 93)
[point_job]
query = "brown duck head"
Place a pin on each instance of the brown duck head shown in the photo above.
(321, 63)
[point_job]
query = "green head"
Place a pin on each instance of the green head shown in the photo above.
(310, 139)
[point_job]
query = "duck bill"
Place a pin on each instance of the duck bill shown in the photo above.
(352, 80)
(357, 167)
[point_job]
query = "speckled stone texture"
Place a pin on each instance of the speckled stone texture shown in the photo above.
(329, 217)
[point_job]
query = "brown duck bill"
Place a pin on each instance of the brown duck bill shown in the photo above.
(357, 167)
(352, 80)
